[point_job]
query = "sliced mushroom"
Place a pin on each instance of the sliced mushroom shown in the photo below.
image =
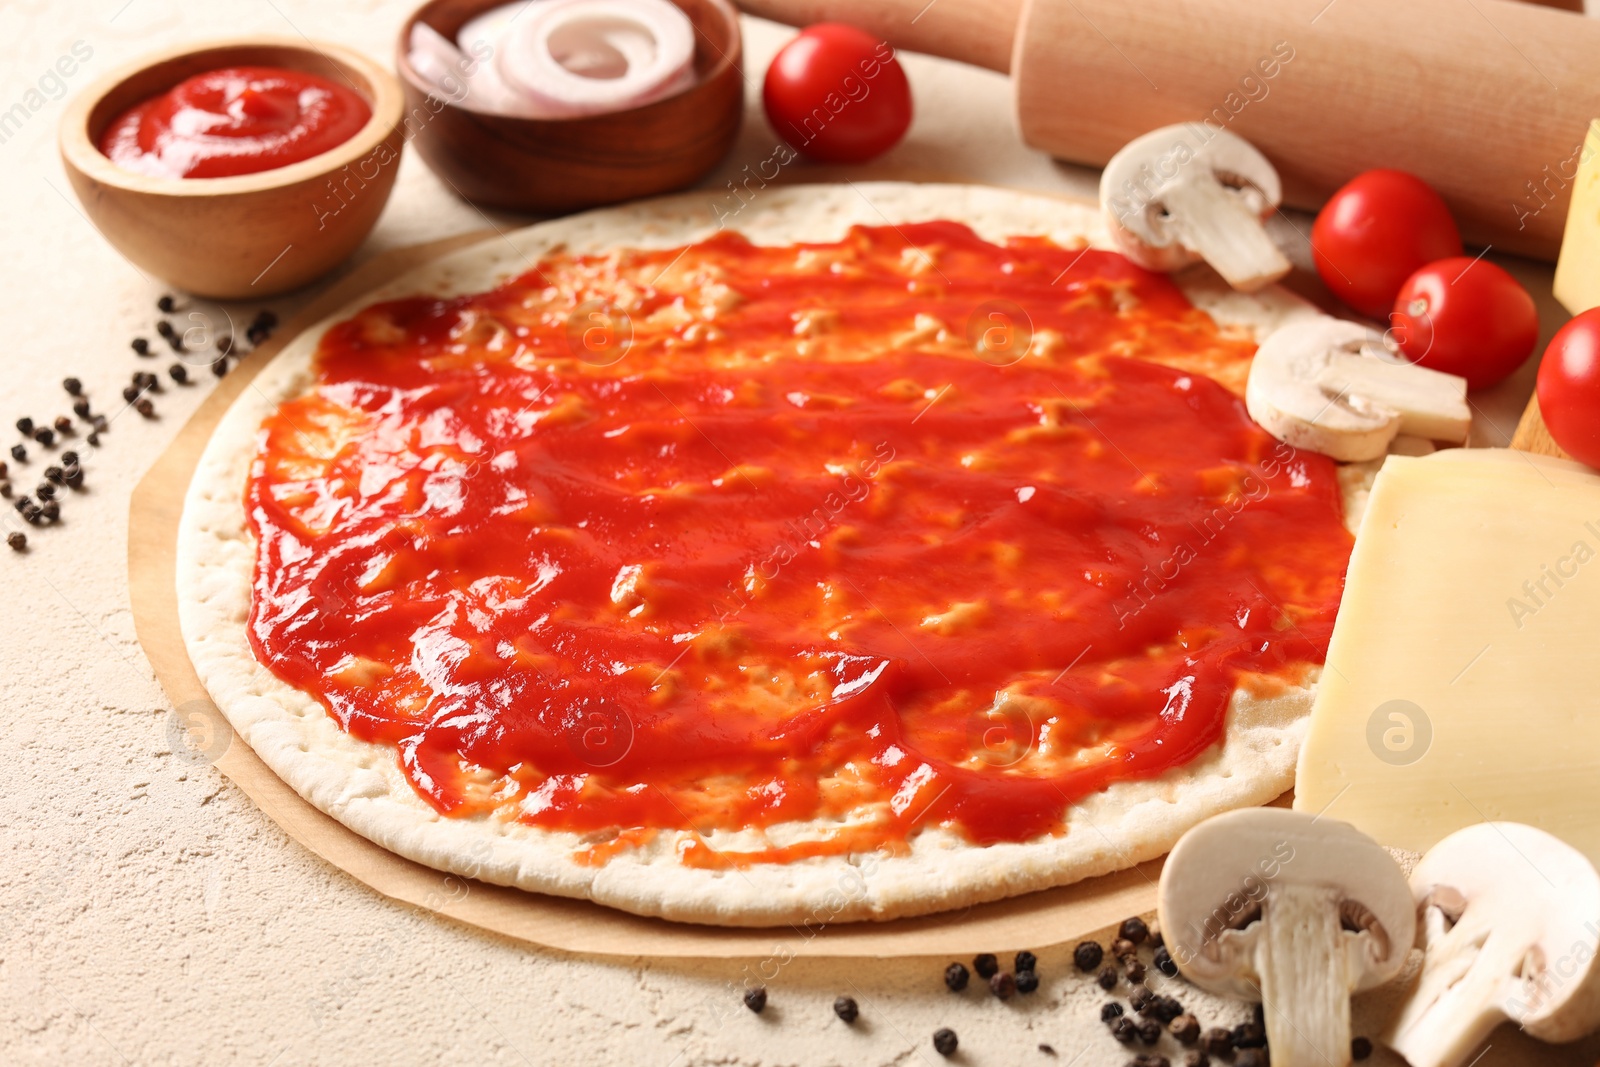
(1291, 910)
(1321, 384)
(1510, 916)
(1188, 192)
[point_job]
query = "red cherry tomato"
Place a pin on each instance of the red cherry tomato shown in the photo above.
(1569, 387)
(1375, 233)
(837, 94)
(1465, 316)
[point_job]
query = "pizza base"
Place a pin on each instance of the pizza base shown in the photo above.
(361, 785)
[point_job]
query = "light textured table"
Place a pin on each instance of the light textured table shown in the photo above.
(151, 914)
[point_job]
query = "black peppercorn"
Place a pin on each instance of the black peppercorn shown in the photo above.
(1250, 1057)
(25, 426)
(178, 373)
(22, 503)
(100, 423)
(1163, 962)
(1360, 1048)
(51, 510)
(955, 977)
(1196, 1058)
(1249, 1035)
(4, 470)
(1149, 1059)
(1140, 998)
(93, 439)
(1027, 961)
(141, 346)
(69, 458)
(63, 425)
(5, 490)
(945, 1042)
(144, 407)
(1123, 949)
(1003, 985)
(73, 386)
(846, 1009)
(1048, 1050)
(985, 964)
(1133, 930)
(19, 453)
(46, 491)
(17, 540)
(130, 393)
(73, 477)
(1087, 956)
(756, 999)
(220, 368)
(1165, 1008)
(55, 474)
(166, 305)
(80, 408)
(1110, 1010)
(1186, 1028)
(1125, 1030)
(1149, 1031)
(225, 343)
(1135, 971)
(33, 514)
(45, 436)
(1217, 1040)
(1027, 981)
(1107, 978)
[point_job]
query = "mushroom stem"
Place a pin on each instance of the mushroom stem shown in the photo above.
(1458, 1000)
(1303, 961)
(1219, 225)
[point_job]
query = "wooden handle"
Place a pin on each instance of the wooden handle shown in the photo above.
(1490, 105)
(972, 31)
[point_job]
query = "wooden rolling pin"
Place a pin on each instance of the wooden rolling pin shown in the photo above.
(1488, 100)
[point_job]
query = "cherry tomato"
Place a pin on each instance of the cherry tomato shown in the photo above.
(1569, 387)
(837, 94)
(1465, 316)
(1376, 232)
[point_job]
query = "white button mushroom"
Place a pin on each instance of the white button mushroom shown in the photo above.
(1318, 384)
(1188, 192)
(1291, 910)
(1510, 916)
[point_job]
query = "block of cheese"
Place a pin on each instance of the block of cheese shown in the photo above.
(1577, 282)
(1463, 677)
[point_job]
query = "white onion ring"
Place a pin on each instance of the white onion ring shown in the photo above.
(462, 79)
(639, 51)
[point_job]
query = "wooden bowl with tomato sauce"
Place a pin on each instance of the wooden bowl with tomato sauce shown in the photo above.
(248, 236)
(551, 166)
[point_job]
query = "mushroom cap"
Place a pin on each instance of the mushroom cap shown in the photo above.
(1519, 881)
(1283, 394)
(1217, 876)
(1134, 180)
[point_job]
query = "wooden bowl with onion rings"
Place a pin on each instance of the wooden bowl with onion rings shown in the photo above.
(556, 165)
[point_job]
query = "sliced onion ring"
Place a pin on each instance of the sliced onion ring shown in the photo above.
(642, 50)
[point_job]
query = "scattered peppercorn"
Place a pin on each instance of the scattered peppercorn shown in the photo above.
(45, 436)
(1149, 1059)
(1027, 961)
(1196, 1058)
(1149, 1031)
(19, 453)
(1360, 1048)
(178, 373)
(262, 326)
(1122, 948)
(25, 426)
(73, 476)
(168, 334)
(141, 346)
(23, 503)
(220, 368)
(846, 1009)
(4, 470)
(955, 977)
(1110, 1010)
(1250, 1057)
(166, 305)
(51, 510)
(756, 999)
(1249, 1035)
(1135, 971)
(130, 393)
(80, 408)
(46, 491)
(55, 474)
(986, 965)
(63, 425)
(33, 514)
(1186, 1028)
(5, 490)
(1087, 955)
(1133, 930)
(69, 458)
(100, 423)
(1140, 998)
(225, 343)
(1125, 1030)
(1107, 978)
(144, 407)
(1166, 1009)
(17, 540)
(1162, 962)
(1027, 981)
(945, 1042)
(1156, 940)
(1048, 1050)
(93, 439)
(73, 386)
(1217, 1040)
(1003, 985)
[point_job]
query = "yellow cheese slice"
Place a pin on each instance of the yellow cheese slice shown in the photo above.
(1577, 281)
(1463, 678)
